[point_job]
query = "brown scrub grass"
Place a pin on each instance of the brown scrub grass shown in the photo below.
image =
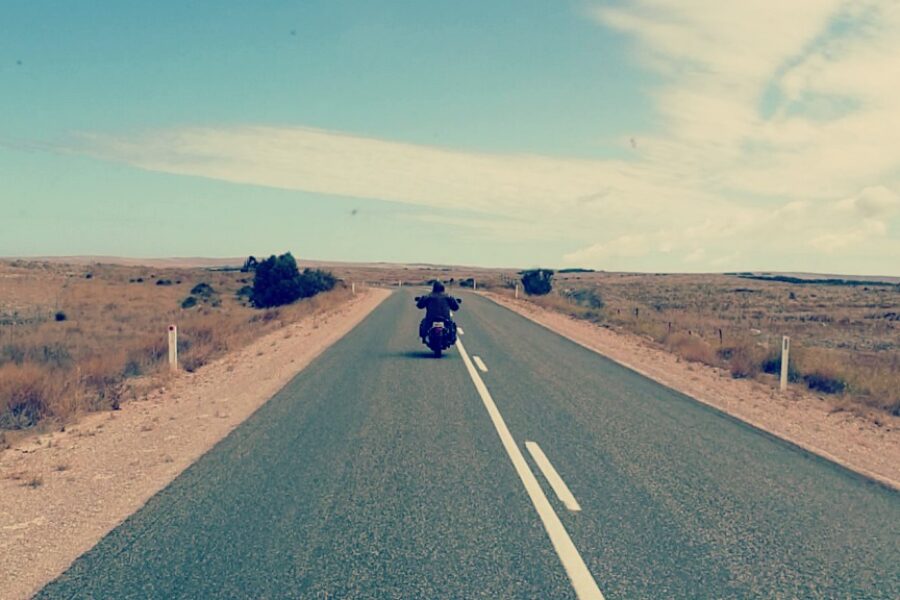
(112, 345)
(845, 340)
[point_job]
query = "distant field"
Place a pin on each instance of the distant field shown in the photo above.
(80, 337)
(845, 338)
(845, 332)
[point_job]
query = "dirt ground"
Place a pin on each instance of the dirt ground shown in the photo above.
(62, 492)
(798, 416)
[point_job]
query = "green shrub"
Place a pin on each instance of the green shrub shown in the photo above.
(189, 302)
(204, 290)
(314, 281)
(825, 383)
(250, 264)
(772, 365)
(278, 281)
(60, 316)
(537, 282)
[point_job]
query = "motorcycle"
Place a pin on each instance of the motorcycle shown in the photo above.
(441, 334)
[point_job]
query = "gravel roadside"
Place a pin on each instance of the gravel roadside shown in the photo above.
(61, 492)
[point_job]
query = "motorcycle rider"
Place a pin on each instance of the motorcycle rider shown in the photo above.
(437, 307)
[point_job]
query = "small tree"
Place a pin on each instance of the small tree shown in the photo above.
(314, 281)
(537, 282)
(276, 282)
(250, 264)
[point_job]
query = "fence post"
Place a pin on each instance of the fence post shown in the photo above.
(785, 359)
(173, 348)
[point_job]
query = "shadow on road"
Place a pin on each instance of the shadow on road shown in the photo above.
(415, 354)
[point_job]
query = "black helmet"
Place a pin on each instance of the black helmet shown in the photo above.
(437, 287)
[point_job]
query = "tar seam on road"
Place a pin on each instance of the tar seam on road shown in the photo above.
(480, 364)
(550, 474)
(582, 580)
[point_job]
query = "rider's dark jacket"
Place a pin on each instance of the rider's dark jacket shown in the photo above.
(437, 306)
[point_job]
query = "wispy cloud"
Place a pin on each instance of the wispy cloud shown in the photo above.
(777, 149)
(559, 194)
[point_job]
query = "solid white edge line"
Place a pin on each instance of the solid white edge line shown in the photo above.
(460, 330)
(480, 364)
(582, 580)
(552, 476)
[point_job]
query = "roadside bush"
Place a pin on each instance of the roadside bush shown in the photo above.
(314, 281)
(587, 297)
(744, 358)
(537, 282)
(743, 362)
(278, 282)
(691, 348)
(204, 290)
(145, 355)
(163, 282)
(245, 292)
(60, 316)
(825, 382)
(772, 365)
(189, 302)
(23, 395)
(101, 376)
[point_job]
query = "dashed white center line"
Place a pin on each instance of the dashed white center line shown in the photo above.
(582, 580)
(480, 364)
(556, 482)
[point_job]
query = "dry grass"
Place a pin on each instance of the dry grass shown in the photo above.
(112, 345)
(691, 348)
(845, 340)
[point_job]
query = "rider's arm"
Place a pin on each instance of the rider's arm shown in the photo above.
(454, 305)
(422, 302)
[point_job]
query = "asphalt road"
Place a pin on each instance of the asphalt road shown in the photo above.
(379, 472)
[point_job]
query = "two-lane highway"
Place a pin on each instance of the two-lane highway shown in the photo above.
(382, 473)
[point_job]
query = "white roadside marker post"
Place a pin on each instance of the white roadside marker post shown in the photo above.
(173, 348)
(785, 358)
(353, 288)
(474, 284)
(517, 291)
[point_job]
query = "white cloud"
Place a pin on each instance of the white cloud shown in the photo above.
(778, 146)
(554, 194)
(872, 202)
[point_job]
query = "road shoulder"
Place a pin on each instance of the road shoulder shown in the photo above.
(63, 491)
(797, 417)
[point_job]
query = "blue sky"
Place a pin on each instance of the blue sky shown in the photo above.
(646, 135)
